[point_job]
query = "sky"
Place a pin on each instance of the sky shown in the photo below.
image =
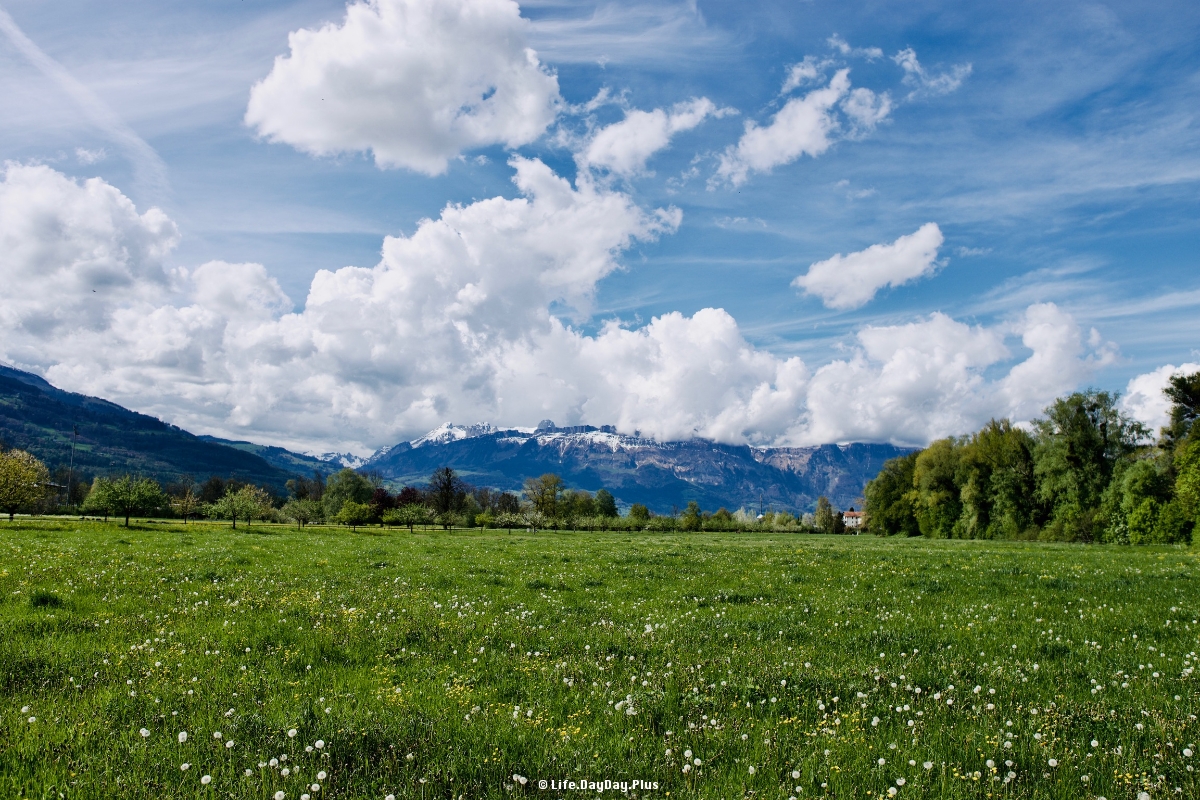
(334, 226)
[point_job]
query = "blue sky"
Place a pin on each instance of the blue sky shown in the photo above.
(1054, 146)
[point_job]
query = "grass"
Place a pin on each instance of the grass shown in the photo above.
(434, 665)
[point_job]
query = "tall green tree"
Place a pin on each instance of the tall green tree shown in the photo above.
(23, 481)
(889, 508)
(824, 516)
(937, 503)
(1184, 393)
(1079, 442)
(996, 483)
(345, 486)
(691, 519)
(606, 504)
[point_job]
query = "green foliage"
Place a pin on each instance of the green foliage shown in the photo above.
(937, 504)
(606, 504)
(690, 519)
(1184, 393)
(996, 473)
(409, 514)
(125, 497)
(1082, 475)
(889, 508)
(303, 510)
(639, 513)
(345, 486)
(23, 481)
(247, 504)
(824, 516)
(353, 514)
(1080, 441)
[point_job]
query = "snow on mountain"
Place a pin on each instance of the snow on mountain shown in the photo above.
(342, 459)
(663, 475)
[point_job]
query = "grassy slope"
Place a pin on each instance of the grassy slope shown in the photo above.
(488, 654)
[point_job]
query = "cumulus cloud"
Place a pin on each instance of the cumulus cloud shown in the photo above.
(925, 82)
(624, 147)
(77, 252)
(851, 281)
(920, 381)
(416, 82)
(807, 125)
(1144, 399)
(455, 322)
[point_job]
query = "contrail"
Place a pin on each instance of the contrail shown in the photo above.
(149, 171)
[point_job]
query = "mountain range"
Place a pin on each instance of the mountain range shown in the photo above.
(662, 475)
(36, 416)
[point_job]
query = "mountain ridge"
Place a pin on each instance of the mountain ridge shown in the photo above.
(664, 476)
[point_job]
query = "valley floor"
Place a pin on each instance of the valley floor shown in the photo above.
(474, 664)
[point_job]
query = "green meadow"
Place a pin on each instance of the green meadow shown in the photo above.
(467, 664)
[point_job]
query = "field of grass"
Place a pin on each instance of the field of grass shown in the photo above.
(477, 664)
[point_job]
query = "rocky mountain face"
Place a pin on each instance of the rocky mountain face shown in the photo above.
(662, 475)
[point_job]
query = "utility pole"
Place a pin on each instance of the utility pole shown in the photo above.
(71, 473)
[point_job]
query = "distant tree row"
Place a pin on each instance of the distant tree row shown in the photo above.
(1083, 472)
(354, 499)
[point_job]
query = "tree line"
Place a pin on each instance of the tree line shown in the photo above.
(355, 499)
(1083, 472)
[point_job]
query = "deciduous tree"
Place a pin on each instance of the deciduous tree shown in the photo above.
(23, 481)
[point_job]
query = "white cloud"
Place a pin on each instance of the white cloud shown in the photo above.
(926, 83)
(416, 82)
(73, 255)
(843, 47)
(624, 147)
(807, 71)
(851, 281)
(804, 126)
(455, 322)
(866, 109)
(921, 381)
(1144, 399)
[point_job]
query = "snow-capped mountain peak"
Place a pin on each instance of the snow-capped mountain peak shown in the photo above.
(449, 432)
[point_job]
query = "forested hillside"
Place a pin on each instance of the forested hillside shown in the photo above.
(38, 418)
(1083, 472)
